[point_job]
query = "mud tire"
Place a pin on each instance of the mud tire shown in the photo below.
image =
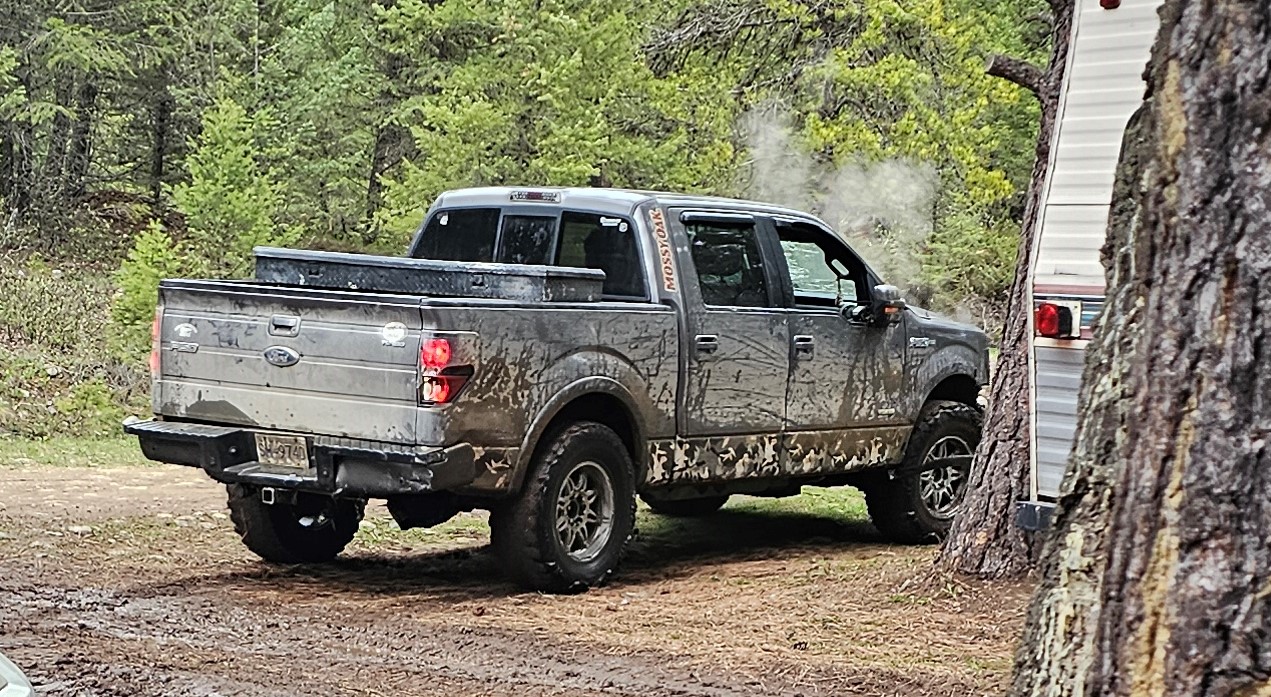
(686, 508)
(275, 533)
(523, 532)
(896, 506)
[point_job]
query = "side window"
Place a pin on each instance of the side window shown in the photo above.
(607, 243)
(810, 271)
(527, 239)
(816, 263)
(461, 234)
(729, 264)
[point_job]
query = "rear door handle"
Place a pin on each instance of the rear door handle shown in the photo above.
(706, 343)
(284, 325)
(804, 346)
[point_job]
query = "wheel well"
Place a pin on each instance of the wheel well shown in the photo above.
(603, 409)
(957, 388)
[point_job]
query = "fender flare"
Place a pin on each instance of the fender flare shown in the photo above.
(562, 399)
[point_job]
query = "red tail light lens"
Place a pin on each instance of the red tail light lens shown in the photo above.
(155, 347)
(1055, 321)
(440, 382)
(434, 354)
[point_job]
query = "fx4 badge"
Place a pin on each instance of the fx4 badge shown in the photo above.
(921, 342)
(282, 356)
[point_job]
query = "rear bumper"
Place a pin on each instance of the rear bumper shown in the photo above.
(337, 466)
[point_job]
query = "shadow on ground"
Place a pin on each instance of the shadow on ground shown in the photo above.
(663, 549)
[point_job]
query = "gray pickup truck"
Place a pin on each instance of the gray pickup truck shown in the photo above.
(550, 355)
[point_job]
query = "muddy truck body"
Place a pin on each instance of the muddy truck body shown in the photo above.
(551, 355)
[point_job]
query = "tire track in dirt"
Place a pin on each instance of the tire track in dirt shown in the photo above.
(106, 642)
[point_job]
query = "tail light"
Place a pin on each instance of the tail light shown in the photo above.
(439, 380)
(155, 343)
(1055, 321)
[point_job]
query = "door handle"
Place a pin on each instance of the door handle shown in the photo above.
(706, 343)
(284, 325)
(804, 346)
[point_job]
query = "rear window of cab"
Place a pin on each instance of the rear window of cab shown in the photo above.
(572, 238)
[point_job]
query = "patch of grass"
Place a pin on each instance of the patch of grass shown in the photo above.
(843, 504)
(58, 373)
(70, 452)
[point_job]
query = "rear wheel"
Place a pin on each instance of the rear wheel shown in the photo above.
(314, 528)
(686, 508)
(568, 529)
(919, 507)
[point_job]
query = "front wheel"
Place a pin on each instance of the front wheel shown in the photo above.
(919, 507)
(569, 527)
(314, 528)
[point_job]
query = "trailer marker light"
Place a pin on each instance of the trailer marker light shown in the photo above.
(1054, 321)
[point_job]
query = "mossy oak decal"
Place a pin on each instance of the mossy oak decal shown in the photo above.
(495, 468)
(666, 260)
(728, 458)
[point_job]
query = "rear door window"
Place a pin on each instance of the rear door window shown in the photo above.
(730, 267)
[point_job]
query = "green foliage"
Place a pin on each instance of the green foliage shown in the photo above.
(57, 370)
(12, 93)
(553, 93)
(154, 257)
(231, 202)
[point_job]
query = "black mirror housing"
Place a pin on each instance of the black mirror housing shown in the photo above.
(887, 305)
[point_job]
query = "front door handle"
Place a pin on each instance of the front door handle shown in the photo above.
(706, 343)
(804, 346)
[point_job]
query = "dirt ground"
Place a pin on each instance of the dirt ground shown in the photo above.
(130, 581)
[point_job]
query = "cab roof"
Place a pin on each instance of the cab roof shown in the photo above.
(604, 200)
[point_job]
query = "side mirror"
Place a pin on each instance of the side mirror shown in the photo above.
(887, 306)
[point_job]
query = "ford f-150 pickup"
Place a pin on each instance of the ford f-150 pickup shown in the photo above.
(551, 355)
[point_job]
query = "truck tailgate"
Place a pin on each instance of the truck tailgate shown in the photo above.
(322, 362)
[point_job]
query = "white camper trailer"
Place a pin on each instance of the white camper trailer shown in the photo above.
(1103, 86)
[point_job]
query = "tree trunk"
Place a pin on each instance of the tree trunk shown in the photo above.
(1160, 581)
(161, 124)
(80, 152)
(49, 184)
(984, 540)
(22, 165)
(393, 141)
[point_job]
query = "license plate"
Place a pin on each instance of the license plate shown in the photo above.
(282, 451)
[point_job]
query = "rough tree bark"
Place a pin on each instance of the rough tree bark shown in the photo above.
(161, 125)
(79, 154)
(984, 540)
(1160, 579)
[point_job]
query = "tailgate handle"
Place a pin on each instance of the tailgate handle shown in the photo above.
(284, 325)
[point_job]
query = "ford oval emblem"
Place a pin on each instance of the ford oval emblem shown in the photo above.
(282, 356)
